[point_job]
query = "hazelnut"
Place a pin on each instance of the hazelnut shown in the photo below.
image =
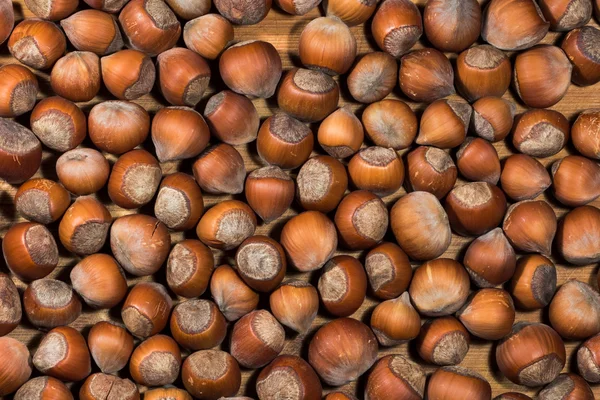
(16, 372)
(43, 387)
(566, 15)
(146, 310)
(284, 141)
(53, 10)
(99, 280)
(439, 287)
(421, 226)
(226, 225)
(581, 46)
(198, 324)
(208, 35)
(390, 123)
(448, 382)
(232, 118)
(63, 354)
(396, 377)
(478, 160)
(189, 10)
(58, 123)
(8, 19)
(18, 90)
(453, 25)
(426, 75)
(500, 31)
(150, 26)
(488, 314)
(475, 208)
(101, 386)
(179, 133)
(76, 76)
(243, 13)
(110, 6)
(340, 396)
(493, 118)
(352, 12)
(128, 74)
(361, 219)
(36, 43)
(41, 200)
(388, 270)
(297, 7)
(308, 95)
(156, 361)
(20, 152)
(234, 298)
(134, 179)
(342, 285)
(183, 76)
(93, 30)
(117, 126)
(321, 184)
(171, 393)
(309, 239)
(342, 350)
(326, 44)
(490, 259)
(288, 377)
(430, 169)
(395, 321)
(220, 170)
(530, 226)
(295, 304)
(179, 203)
(270, 192)
(82, 171)
(524, 178)
(110, 346)
(569, 386)
(10, 305)
(512, 396)
(532, 354)
(189, 267)
(396, 26)
(261, 263)
(251, 68)
(575, 311)
(588, 357)
(444, 124)
(30, 251)
(585, 133)
(84, 226)
(341, 133)
(533, 283)
(542, 76)
(257, 338)
(540, 133)
(49, 303)
(211, 374)
(443, 341)
(575, 180)
(373, 77)
(482, 71)
(376, 169)
(578, 235)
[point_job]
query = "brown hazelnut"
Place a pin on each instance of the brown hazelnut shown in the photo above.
(156, 361)
(208, 35)
(82, 171)
(388, 270)
(396, 26)
(118, 126)
(226, 225)
(575, 311)
(340, 396)
(500, 31)
(134, 179)
(16, 372)
(444, 124)
(146, 310)
(93, 30)
(76, 76)
(390, 123)
(342, 285)
(524, 178)
(585, 133)
(211, 374)
(488, 314)
(49, 303)
(243, 13)
(53, 10)
(8, 19)
(270, 192)
(36, 43)
(110, 346)
(421, 226)
(297, 7)
(448, 382)
(588, 359)
(284, 141)
(110, 6)
(257, 338)
(453, 25)
(251, 68)
(341, 133)
(84, 226)
(220, 170)
(475, 208)
(179, 203)
(232, 118)
(189, 267)
(342, 350)
(581, 46)
(43, 387)
(198, 324)
(183, 76)
(42, 200)
(578, 235)
(140, 243)
(395, 321)
(169, 392)
(63, 354)
(540, 133)
(430, 169)
(376, 169)
(493, 118)
(478, 160)
(396, 377)
(102, 386)
(295, 304)
(29, 251)
(261, 263)
(439, 287)
(512, 396)
(482, 71)
(533, 283)
(569, 386)
(566, 15)
(530, 226)
(426, 75)
(443, 341)
(128, 74)
(18, 90)
(575, 180)
(289, 377)
(490, 259)
(352, 12)
(321, 184)
(309, 239)
(99, 280)
(361, 219)
(373, 77)
(58, 123)
(189, 10)
(10, 304)
(20, 152)
(179, 133)
(234, 298)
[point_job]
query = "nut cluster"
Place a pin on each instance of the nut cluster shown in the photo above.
(190, 203)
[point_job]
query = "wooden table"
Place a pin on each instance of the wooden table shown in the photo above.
(283, 31)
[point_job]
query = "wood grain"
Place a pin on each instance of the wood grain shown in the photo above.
(283, 32)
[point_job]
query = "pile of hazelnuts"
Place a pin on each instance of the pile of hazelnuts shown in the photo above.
(172, 323)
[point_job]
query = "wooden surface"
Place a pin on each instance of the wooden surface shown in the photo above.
(283, 32)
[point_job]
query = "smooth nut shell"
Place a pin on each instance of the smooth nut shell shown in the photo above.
(36, 43)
